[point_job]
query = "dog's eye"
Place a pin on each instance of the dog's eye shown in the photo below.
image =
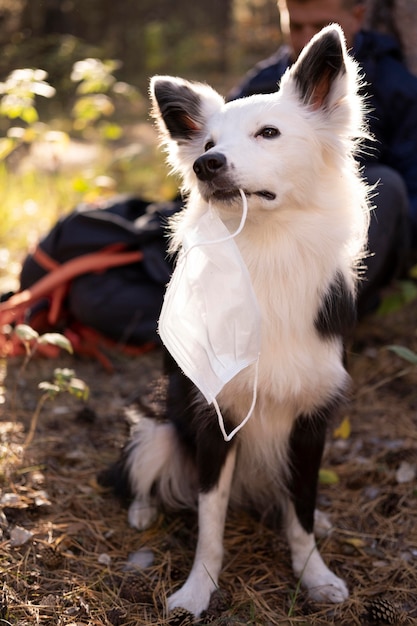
(268, 132)
(209, 145)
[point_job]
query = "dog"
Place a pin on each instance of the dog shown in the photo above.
(303, 243)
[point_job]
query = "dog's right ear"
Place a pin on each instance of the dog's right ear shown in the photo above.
(181, 108)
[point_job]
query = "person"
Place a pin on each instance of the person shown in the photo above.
(390, 161)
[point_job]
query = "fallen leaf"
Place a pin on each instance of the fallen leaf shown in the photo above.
(355, 542)
(344, 430)
(328, 477)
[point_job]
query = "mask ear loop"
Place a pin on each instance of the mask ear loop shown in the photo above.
(229, 437)
(231, 235)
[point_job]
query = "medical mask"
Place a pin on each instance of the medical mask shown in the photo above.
(210, 319)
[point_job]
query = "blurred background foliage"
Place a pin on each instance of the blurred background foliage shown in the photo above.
(212, 39)
(74, 75)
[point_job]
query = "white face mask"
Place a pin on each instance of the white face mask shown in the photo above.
(210, 319)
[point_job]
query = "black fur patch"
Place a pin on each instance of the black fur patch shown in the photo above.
(196, 425)
(180, 108)
(337, 315)
(116, 479)
(212, 449)
(305, 451)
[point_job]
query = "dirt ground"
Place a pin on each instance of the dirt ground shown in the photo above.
(65, 543)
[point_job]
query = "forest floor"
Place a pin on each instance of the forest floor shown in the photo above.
(65, 543)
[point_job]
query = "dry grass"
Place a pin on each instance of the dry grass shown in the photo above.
(72, 569)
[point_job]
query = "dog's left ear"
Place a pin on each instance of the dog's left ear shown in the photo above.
(321, 62)
(181, 108)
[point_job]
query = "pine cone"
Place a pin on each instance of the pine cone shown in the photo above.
(136, 589)
(380, 611)
(180, 617)
(51, 557)
(220, 602)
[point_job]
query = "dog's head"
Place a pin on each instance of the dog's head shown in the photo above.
(271, 146)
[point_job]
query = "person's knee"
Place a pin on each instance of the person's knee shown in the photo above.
(389, 232)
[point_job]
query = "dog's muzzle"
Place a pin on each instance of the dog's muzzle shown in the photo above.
(208, 166)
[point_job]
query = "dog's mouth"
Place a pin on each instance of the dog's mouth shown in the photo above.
(230, 195)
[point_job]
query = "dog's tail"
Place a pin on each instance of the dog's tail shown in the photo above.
(115, 478)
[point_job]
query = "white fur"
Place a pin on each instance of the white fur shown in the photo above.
(202, 581)
(307, 563)
(293, 246)
(154, 456)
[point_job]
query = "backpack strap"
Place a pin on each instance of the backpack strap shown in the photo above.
(55, 283)
(89, 342)
(43, 259)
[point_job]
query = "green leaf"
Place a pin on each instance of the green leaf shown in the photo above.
(408, 290)
(111, 132)
(404, 353)
(328, 477)
(29, 115)
(78, 388)
(405, 292)
(390, 304)
(56, 339)
(62, 376)
(344, 429)
(49, 388)
(26, 333)
(7, 144)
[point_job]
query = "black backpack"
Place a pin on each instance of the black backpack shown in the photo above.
(98, 276)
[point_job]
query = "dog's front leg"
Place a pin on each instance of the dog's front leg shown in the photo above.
(195, 594)
(306, 448)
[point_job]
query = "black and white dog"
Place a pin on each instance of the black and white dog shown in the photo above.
(292, 153)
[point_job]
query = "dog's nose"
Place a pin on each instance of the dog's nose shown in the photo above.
(207, 166)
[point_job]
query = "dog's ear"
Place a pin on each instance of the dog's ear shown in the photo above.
(182, 108)
(321, 62)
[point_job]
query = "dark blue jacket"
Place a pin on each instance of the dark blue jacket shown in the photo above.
(392, 99)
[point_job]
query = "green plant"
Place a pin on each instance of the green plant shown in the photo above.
(64, 379)
(404, 353)
(96, 95)
(402, 293)
(18, 101)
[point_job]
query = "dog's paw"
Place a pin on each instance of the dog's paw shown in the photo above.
(141, 514)
(194, 598)
(324, 586)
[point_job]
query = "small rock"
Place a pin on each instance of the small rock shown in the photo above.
(140, 560)
(405, 473)
(19, 536)
(104, 559)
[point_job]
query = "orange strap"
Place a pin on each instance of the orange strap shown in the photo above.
(44, 260)
(59, 277)
(90, 342)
